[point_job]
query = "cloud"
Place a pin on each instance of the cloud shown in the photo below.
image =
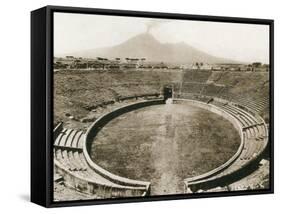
(152, 24)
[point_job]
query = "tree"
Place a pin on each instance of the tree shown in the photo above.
(257, 64)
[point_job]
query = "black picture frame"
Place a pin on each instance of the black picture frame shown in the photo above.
(42, 103)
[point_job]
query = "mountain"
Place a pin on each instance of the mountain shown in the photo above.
(145, 45)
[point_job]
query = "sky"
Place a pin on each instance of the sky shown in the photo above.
(241, 42)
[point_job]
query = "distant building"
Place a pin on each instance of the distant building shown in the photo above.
(132, 63)
(216, 68)
(201, 65)
(69, 57)
(206, 66)
(161, 65)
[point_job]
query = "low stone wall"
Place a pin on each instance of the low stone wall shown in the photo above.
(57, 130)
(148, 95)
(134, 187)
(94, 188)
(102, 121)
(97, 126)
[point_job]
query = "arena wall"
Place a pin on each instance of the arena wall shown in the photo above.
(57, 130)
(102, 121)
(89, 187)
(132, 187)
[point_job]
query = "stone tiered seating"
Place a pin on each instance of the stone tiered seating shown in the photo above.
(248, 119)
(253, 129)
(196, 75)
(68, 152)
(211, 90)
(257, 105)
(192, 88)
(224, 93)
(69, 139)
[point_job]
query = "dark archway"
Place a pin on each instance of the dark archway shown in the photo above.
(168, 92)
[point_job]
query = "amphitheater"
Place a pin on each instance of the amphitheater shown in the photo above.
(93, 99)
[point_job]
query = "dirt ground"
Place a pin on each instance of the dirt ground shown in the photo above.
(259, 179)
(164, 144)
(63, 193)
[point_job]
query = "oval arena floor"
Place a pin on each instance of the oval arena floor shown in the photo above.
(165, 144)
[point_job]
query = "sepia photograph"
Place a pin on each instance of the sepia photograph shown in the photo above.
(146, 107)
